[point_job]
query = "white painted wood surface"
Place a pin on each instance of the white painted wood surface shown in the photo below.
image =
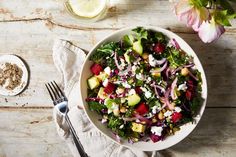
(28, 28)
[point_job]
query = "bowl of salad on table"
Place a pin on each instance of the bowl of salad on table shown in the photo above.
(144, 88)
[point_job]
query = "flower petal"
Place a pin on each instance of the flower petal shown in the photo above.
(182, 7)
(210, 31)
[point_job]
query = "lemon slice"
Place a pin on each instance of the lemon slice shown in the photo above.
(87, 8)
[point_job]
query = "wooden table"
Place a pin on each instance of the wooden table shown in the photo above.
(28, 28)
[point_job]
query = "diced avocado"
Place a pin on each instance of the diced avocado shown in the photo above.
(138, 127)
(137, 47)
(127, 57)
(133, 99)
(93, 82)
(101, 93)
(102, 76)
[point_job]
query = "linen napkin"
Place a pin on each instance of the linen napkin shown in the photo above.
(68, 60)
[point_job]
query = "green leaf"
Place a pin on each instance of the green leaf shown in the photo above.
(141, 33)
(226, 5)
(128, 40)
(232, 16)
(96, 106)
(199, 3)
(114, 122)
(221, 17)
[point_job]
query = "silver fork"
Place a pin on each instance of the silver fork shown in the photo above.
(59, 100)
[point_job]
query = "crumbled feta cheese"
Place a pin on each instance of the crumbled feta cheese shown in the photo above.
(154, 109)
(105, 82)
(126, 85)
(149, 79)
(182, 87)
(152, 60)
(115, 106)
(168, 113)
(107, 70)
(122, 100)
(157, 130)
(148, 94)
(139, 76)
(178, 109)
(134, 68)
(143, 89)
(122, 126)
(117, 82)
(104, 120)
(149, 115)
(137, 120)
(119, 90)
(109, 111)
(122, 62)
(132, 92)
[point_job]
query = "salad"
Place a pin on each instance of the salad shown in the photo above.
(143, 86)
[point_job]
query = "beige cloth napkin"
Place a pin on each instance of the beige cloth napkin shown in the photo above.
(68, 60)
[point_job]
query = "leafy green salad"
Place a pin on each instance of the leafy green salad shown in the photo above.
(143, 86)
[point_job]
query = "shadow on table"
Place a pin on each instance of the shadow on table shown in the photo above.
(216, 124)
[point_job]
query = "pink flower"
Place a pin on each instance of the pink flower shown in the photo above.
(193, 16)
(210, 31)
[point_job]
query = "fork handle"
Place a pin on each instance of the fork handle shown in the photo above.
(75, 138)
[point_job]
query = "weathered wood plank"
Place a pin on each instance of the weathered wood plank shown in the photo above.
(33, 42)
(32, 133)
(122, 13)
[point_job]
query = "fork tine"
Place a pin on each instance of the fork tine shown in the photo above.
(54, 92)
(55, 89)
(59, 89)
(49, 92)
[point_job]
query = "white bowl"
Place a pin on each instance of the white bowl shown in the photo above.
(144, 146)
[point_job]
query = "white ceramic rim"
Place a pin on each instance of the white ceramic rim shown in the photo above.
(185, 129)
(13, 59)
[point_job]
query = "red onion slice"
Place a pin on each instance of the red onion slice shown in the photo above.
(129, 119)
(173, 85)
(166, 100)
(159, 70)
(116, 61)
(194, 77)
(175, 43)
(141, 118)
(160, 62)
(126, 70)
(181, 67)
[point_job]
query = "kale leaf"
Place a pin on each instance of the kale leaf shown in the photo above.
(104, 51)
(96, 106)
